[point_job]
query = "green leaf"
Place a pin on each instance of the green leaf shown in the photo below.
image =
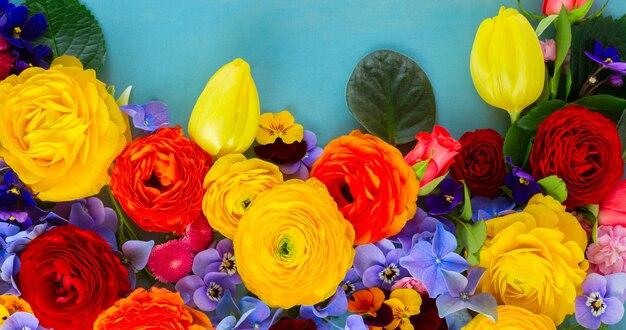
(391, 96)
(527, 13)
(467, 204)
(517, 143)
(420, 168)
(554, 186)
(579, 13)
(429, 187)
(544, 24)
(610, 106)
(599, 12)
(563, 42)
(621, 129)
(72, 30)
(536, 115)
(472, 236)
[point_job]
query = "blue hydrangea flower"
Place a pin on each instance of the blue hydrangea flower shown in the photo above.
(148, 117)
(21, 321)
(485, 208)
(421, 227)
(337, 306)
(252, 314)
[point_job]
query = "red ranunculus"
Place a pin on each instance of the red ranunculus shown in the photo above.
(480, 162)
(581, 147)
(158, 180)
(69, 276)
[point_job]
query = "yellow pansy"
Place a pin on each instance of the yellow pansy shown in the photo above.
(511, 317)
(535, 259)
(60, 129)
(279, 125)
(293, 246)
(231, 185)
(404, 303)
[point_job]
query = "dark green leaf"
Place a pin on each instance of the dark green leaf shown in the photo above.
(599, 12)
(391, 96)
(467, 205)
(621, 129)
(472, 236)
(554, 186)
(72, 30)
(535, 116)
(527, 13)
(516, 144)
(610, 106)
(563, 42)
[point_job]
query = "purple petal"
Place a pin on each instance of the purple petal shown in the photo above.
(312, 155)
(95, 208)
(447, 305)
(137, 253)
(371, 279)
(614, 311)
(261, 310)
(484, 303)
(224, 246)
(108, 236)
(201, 299)
(420, 258)
(227, 323)
(616, 286)
(80, 218)
(355, 322)
(454, 262)
(455, 282)
(443, 242)
(458, 320)
(337, 305)
(227, 306)
(583, 314)
(598, 50)
(133, 110)
(307, 312)
(302, 173)
(290, 168)
(187, 285)
(366, 256)
(156, 115)
(473, 278)
(34, 27)
(434, 282)
(110, 219)
(594, 283)
(202, 260)
(21, 320)
(309, 138)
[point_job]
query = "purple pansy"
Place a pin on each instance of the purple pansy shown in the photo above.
(485, 208)
(218, 259)
(204, 292)
(461, 297)
(451, 194)
(427, 261)
(378, 264)
(351, 282)
(8, 271)
(337, 306)
(522, 185)
(134, 256)
(355, 322)
(21, 321)
(148, 117)
(252, 313)
(607, 57)
(300, 168)
(602, 300)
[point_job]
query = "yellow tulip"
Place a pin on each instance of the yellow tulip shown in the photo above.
(507, 64)
(226, 116)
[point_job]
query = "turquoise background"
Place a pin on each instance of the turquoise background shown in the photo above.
(301, 52)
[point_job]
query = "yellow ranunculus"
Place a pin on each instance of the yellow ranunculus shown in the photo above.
(511, 317)
(60, 130)
(293, 246)
(225, 118)
(507, 63)
(535, 259)
(232, 183)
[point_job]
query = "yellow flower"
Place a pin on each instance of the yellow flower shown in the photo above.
(293, 246)
(232, 183)
(279, 125)
(14, 304)
(511, 317)
(225, 118)
(404, 303)
(60, 130)
(507, 63)
(535, 259)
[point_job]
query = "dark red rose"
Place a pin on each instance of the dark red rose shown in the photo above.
(581, 147)
(480, 162)
(69, 276)
(286, 323)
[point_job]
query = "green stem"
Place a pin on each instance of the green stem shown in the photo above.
(124, 225)
(585, 87)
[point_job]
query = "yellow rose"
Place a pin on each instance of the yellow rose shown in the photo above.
(511, 317)
(293, 246)
(535, 259)
(231, 184)
(60, 130)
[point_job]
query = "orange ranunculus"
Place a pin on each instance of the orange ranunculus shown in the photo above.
(158, 180)
(372, 185)
(155, 309)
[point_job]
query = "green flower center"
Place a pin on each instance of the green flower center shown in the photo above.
(285, 248)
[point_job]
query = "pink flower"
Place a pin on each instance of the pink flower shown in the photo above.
(553, 7)
(613, 207)
(410, 283)
(438, 145)
(171, 261)
(608, 255)
(199, 234)
(548, 47)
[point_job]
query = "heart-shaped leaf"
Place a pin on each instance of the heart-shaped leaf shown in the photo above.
(391, 96)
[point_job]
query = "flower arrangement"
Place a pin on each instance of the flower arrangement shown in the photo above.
(249, 224)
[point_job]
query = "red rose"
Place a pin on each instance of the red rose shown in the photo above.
(436, 147)
(581, 147)
(69, 276)
(158, 180)
(480, 162)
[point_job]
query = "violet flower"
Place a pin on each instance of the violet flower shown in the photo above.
(218, 259)
(148, 117)
(8, 272)
(607, 57)
(21, 321)
(134, 256)
(337, 306)
(485, 208)
(427, 261)
(355, 322)
(19, 29)
(461, 297)
(204, 292)
(14, 201)
(450, 196)
(378, 264)
(351, 282)
(300, 168)
(522, 185)
(602, 300)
